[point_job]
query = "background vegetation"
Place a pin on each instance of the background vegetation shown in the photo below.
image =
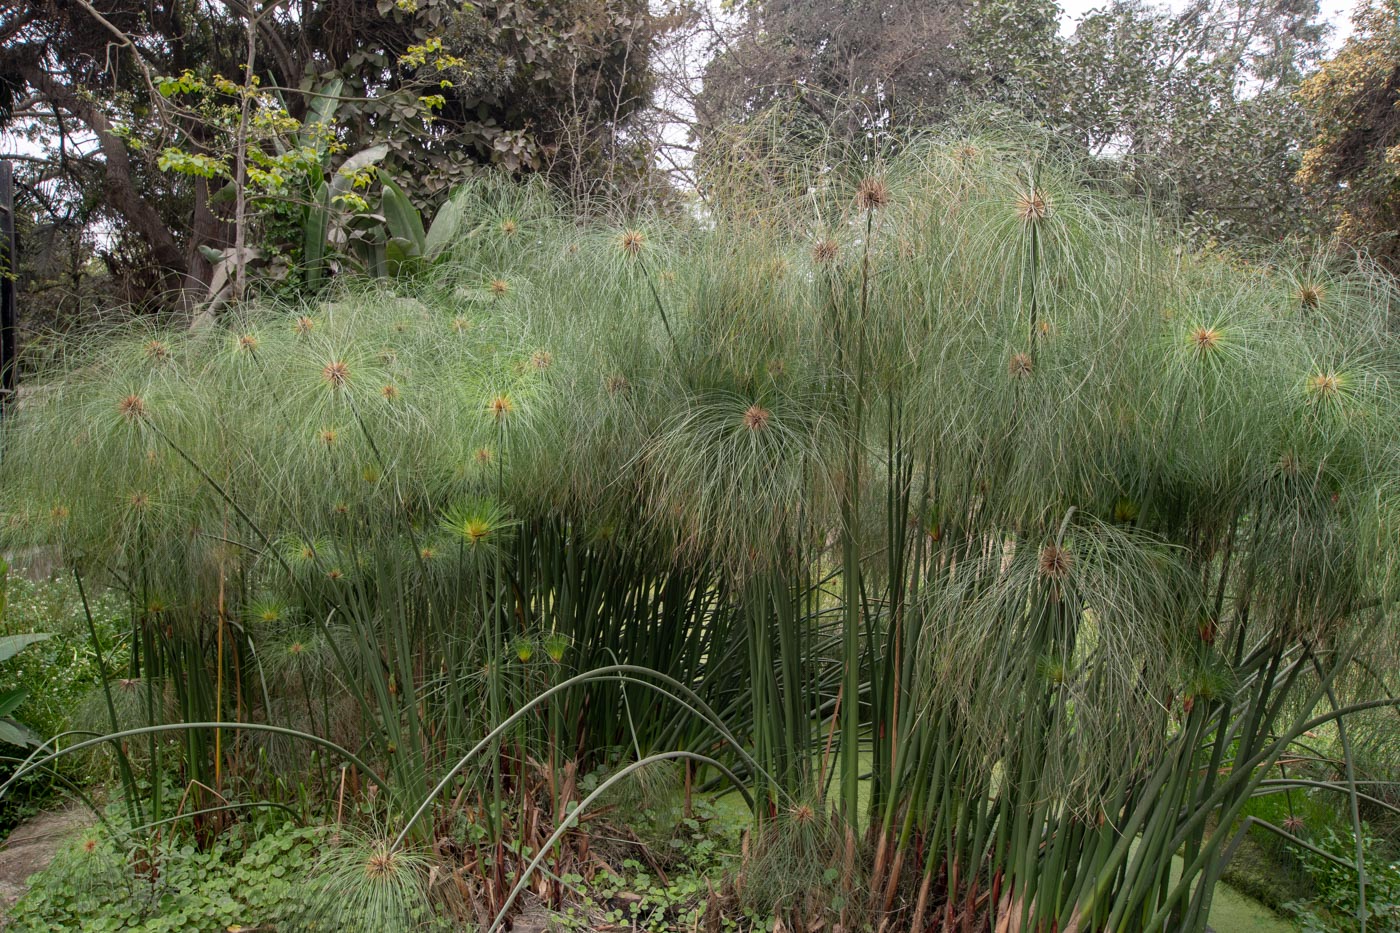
(997, 551)
(886, 465)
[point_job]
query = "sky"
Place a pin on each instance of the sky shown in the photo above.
(1336, 12)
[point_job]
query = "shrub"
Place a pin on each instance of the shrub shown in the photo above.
(1335, 907)
(59, 674)
(249, 877)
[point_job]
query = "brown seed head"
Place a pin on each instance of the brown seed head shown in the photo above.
(157, 351)
(132, 408)
(139, 501)
(756, 418)
(328, 436)
(499, 287)
(1204, 339)
(1019, 366)
(872, 194)
(802, 813)
(500, 406)
(303, 325)
(461, 325)
(1325, 385)
(248, 343)
(380, 864)
(483, 455)
(1311, 295)
(541, 359)
(824, 252)
(631, 243)
(1055, 561)
(337, 374)
(1032, 207)
(616, 384)
(389, 391)
(509, 227)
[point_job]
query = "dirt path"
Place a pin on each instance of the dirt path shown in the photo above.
(31, 847)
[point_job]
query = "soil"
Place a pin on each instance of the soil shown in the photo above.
(31, 847)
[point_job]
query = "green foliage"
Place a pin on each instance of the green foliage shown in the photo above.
(1352, 164)
(446, 86)
(940, 467)
(1334, 908)
(55, 675)
(254, 875)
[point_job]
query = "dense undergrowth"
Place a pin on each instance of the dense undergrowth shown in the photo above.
(58, 675)
(993, 547)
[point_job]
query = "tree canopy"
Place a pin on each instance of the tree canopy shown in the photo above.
(446, 85)
(1353, 163)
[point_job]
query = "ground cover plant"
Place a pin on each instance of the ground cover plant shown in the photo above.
(993, 549)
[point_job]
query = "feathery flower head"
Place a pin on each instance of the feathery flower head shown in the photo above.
(872, 194)
(1125, 510)
(756, 418)
(631, 243)
(246, 343)
(132, 408)
(336, 373)
(1019, 366)
(1055, 562)
(1311, 295)
(500, 406)
(555, 645)
(499, 287)
(478, 524)
(303, 325)
(1203, 340)
(1032, 207)
(1326, 386)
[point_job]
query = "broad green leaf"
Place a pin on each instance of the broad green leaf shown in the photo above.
(443, 229)
(400, 256)
(361, 160)
(325, 101)
(314, 231)
(15, 734)
(11, 645)
(404, 221)
(11, 699)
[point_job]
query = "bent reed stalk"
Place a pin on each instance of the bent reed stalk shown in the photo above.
(942, 501)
